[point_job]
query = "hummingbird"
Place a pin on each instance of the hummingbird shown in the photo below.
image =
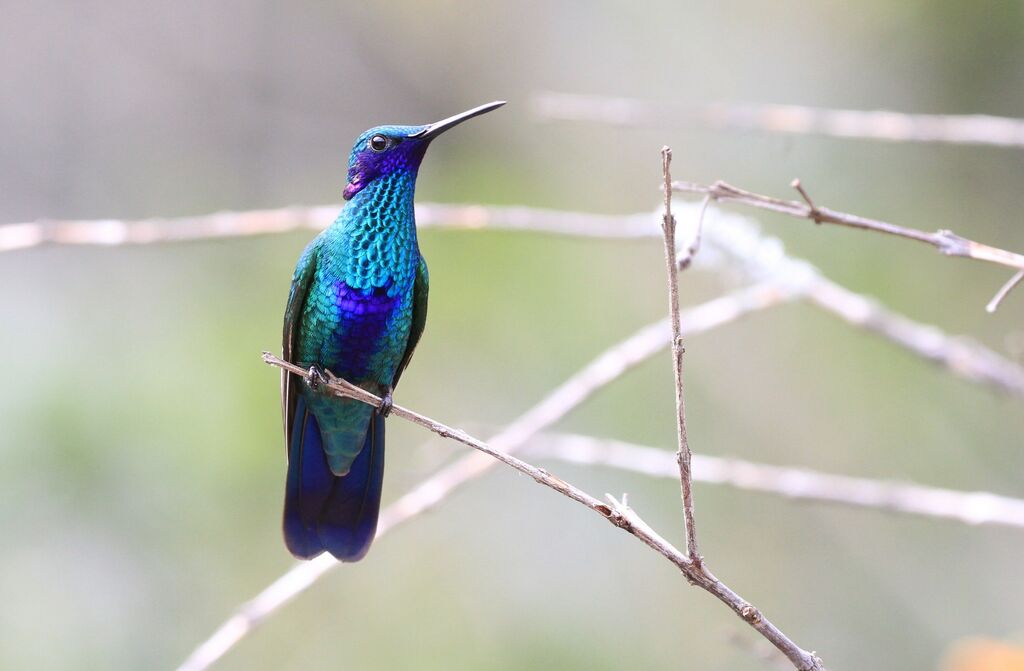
(357, 308)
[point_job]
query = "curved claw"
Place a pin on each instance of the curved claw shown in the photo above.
(315, 377)
(386, 403)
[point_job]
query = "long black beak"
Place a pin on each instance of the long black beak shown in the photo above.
(435, 129)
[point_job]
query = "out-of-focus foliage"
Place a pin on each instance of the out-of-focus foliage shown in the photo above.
(985, 655)
(141, 457)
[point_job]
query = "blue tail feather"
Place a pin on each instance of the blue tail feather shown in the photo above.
(348, 522)
(326, 512)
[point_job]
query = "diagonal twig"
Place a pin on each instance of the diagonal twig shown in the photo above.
(947, 242)
(615, 512)
(602, 370)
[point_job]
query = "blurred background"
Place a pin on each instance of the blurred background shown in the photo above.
(141, 450)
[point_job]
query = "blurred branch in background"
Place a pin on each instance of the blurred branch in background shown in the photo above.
(974, 508)
(113, 232)
(601, 371)
(978, 129)
(735, 242)
(961, 356)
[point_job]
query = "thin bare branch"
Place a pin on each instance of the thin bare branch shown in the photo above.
(345, 389)
(601, 371)
(883, 125)
(683, 455)
(947, 242)
(973, 508)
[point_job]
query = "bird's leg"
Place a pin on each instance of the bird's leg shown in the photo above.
(386, 402)
(315, 377)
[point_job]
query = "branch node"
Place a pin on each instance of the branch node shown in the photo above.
(752, 615)
(951, 244)
(720, 188)
(448, 432)
(618, 512)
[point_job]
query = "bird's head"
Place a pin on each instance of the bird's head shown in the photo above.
(384, 150)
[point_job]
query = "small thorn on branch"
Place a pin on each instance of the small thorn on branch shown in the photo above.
(813, 212)
(993, 304)
(694, 247)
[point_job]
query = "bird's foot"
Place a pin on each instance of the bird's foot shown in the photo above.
(386, 403)
(315, 377)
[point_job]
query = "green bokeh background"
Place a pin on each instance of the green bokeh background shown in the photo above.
(141, 458)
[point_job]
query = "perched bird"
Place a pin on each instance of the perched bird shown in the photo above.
(357, 307)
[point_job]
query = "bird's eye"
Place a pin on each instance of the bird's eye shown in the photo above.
(379, 143)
